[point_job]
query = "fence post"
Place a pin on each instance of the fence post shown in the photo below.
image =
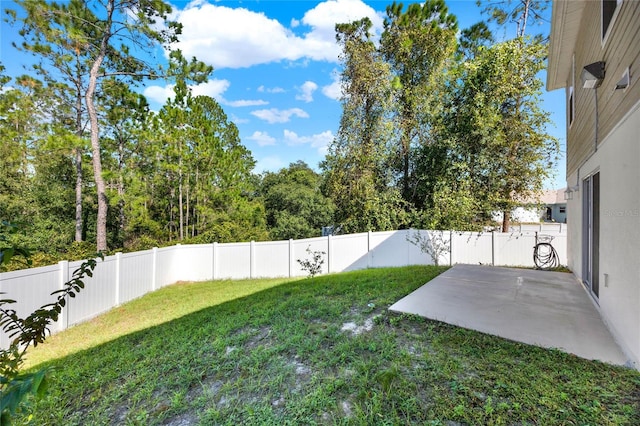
(450, 248)
(329, 247)
(290, 258)
(493, 248)
(252, 259)
(63, 319)
(118, 277)
(214, 266)
(154, 268)
(369, 259)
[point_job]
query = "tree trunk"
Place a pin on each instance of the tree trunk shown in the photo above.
(121, 204)
(506, 220)
(101, 222)
(525, 16)
(405, 167)
(78, 164)
(180, 207)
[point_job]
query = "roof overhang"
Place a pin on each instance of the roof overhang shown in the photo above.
(565, 25)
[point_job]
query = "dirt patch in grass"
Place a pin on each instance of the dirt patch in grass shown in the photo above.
(182, 420)
(356, 329)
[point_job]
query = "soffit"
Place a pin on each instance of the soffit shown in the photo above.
(565, 25)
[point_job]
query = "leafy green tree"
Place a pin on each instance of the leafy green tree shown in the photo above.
(518, 12)
(126, 114)
(294, 204)
(417, 43)
(471, 39)
(201, 186)
(62, 62)
(357, 178)
(18, 120)
(499, 130)
(104, 35)
(37, 188)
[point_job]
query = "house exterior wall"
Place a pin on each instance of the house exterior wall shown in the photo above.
(621, 49)
(618, 161)
(557, 215)
(613, 151)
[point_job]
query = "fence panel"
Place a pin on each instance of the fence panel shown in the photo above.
(472, 248)
(99, 293)
(544, 227)
(136, 275)
(349, 252)
(166, 266)
(271, 259)
(559, 243)
(233, 260)
(390, 248)
(514, 248)
(300, 253)
(194, 262)
(436, 244)
(30, 288)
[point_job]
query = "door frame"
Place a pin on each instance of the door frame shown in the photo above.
(591, 234)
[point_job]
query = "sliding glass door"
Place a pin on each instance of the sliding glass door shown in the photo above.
(591, 233)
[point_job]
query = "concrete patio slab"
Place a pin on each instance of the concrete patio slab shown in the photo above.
(548, 309)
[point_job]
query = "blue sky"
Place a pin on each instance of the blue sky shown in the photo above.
(277, 70)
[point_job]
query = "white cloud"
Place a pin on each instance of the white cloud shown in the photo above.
(213, 88)
(246, 103)
(159, 94)
(262, 138)
(238, 120)
(323, 18)
(333, 90)
(275, 115)
(269, 164)
(306, 91)
(320, 141)
(276, 89)
(237, 37)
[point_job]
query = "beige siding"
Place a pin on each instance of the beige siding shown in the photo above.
(621, 50)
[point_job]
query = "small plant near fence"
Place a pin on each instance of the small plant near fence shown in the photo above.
(15, 385)
(313, 265)
(433, 243)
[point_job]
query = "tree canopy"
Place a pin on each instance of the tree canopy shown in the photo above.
(440, 128)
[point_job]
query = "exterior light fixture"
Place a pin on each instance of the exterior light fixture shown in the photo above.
(592, 75)
(568, 194)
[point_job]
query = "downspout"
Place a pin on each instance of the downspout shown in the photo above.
(595, 139)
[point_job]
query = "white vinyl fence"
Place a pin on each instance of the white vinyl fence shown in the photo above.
(124, 277)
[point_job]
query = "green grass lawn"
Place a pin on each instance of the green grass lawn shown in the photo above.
(314, 351)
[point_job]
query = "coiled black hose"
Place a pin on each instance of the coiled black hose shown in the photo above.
(545, 256)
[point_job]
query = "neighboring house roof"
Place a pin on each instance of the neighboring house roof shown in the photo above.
(548, 197)
(555, 196)
(567, 15)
